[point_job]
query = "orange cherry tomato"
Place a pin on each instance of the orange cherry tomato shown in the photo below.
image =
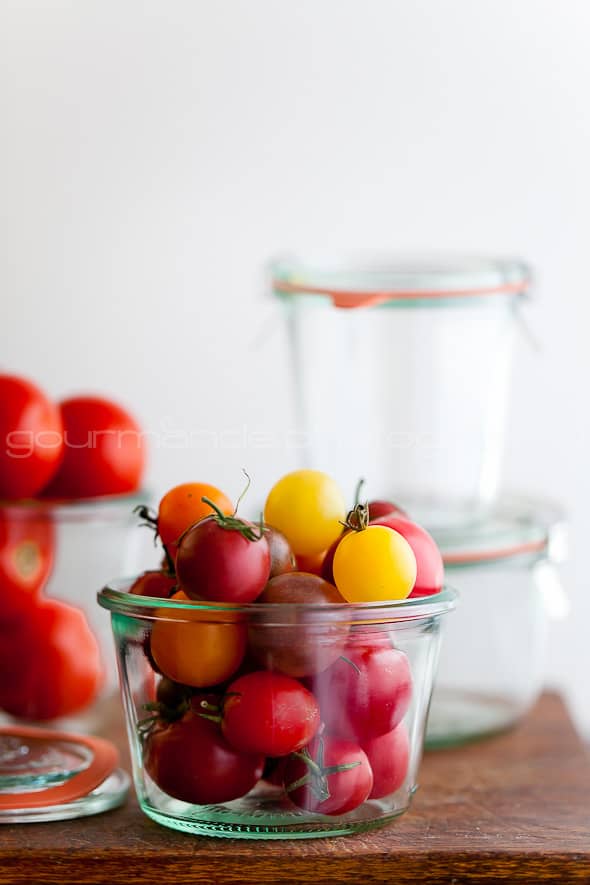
(182, 506)
(311, 564)
(197, 648)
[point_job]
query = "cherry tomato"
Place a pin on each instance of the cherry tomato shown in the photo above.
(197, 648)
(218, 562)
(31, 438)
(312, 564)
(375, 564)
(366, 692)
(389, 756)
(269, 713)
(336, 776)
(182, 507)
(429, 564)
(191, 761)
(307, 506)
(303, 643)
(377, 509)
(50, 665)
(282, 558)
(155, 583)
(26, 558)
(104, 452)
(327, 569)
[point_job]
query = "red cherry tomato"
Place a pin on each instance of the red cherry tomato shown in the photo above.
(31, 438)
(302, 644)
(282, 558)
(388, 755)
(154, 583)
(104, 452)
(50, 665)
(430, 568)
(191, 761)
(337, 778)
(221, 564)
(269, 713)
(26, 558)
(327, 570)
(366, 692)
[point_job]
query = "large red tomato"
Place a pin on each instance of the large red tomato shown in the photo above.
(31, 440)
(49, 664)
(26, 558)
(104, 452)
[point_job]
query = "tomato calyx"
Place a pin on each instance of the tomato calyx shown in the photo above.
(317, 773)
(357, 519)
(235, 524)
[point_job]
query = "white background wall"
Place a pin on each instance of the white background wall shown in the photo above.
(153, 154)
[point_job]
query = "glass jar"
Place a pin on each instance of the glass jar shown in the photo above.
(62, 552)
(404, 366)
(281, 742)
(493, 659)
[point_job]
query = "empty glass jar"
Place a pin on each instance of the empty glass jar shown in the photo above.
(493, 660)
(404, 366)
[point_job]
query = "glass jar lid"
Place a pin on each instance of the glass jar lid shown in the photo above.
(51, 775)
(514, 527)
(373, 280)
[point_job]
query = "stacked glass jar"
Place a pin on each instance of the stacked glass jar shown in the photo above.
(401, 368)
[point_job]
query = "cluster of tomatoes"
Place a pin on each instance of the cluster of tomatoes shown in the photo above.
(82, 447)
(291, 692)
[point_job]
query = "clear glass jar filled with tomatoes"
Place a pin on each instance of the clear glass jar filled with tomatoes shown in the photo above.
(275, 718)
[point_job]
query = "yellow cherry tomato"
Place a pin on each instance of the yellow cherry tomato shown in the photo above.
(374, 565)
(307, 507)
(191, 648)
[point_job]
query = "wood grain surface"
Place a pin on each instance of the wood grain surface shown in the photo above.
(514, 808)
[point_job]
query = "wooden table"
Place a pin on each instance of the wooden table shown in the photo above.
(515, 808)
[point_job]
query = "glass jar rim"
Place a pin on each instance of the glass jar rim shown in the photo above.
(107, 508)
(516, 527)
(116, 599)
(373, 279)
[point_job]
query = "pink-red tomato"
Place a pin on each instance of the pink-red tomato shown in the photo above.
(269, 713)
(388, 755)
(366, 692)
(104, 450)
(429, 563)
(183, 506)
(31, 438)
(50, 664)
(339, 780)
(220, 564)
(384, 508)
(27, 541)
(154, 583)
(303, 643)
(191, 761)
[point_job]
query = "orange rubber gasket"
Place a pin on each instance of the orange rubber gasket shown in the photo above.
(105, 758)
(358, 298)
(467, 557)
